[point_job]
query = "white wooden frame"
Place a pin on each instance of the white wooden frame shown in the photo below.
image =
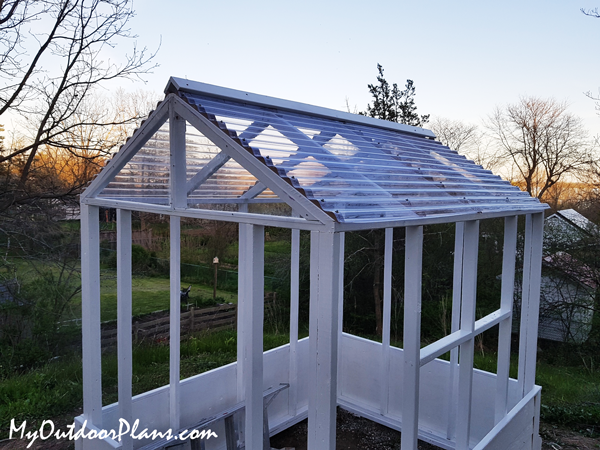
(326, 303)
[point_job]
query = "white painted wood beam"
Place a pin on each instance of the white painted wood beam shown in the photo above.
(177, 181)
(286, 222)
(387, 320)
(253, 266)
(255, 190)
(498, 428)
(174, 324)
(294, 314)
(464, 216)
(227, 216)
(526, 272)
(129, 149)
(467, 323)
(413, 270)
(207, 171)
(221, 158)
(534, 268)
(195, 200)
(90, 314)
(177, 158)
(323, 340)
(441, 346)
(506, 306)
(242, 303)
(459, 235)
(287, 193)
(340, 374)
(124, 313)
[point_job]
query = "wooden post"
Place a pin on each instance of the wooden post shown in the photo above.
(412, 336)
(252, 320)
(90, 315)
(175, 326)
(192, 319)
(530, 301)
(323, 341)
(241, 305)
(456, 305)
(215, 263)
(294, 312)
(124, 344)
(178, 199)
(467, 323)
(340, 374)
(505, 327)
(387, 319)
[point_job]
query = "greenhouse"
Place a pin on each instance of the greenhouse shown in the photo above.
(214, 153)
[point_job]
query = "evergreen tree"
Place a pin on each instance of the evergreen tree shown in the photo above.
(393, 104)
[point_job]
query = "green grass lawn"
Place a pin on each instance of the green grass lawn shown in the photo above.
(149, 294)
(55, 390)
(570, 395)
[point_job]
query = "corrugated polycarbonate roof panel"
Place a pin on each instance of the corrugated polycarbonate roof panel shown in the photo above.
(360, 173)
(145, 178)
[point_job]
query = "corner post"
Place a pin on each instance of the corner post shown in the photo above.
(413, 269)
(530, 301)
(340, 315)
(253, 240)
(459, 244)
(506, 305)
(241, 305)
(294, 313)
(387, 319)
(124, 298)
(467, 324)
(90, 314)
(178, 199)
(323, 340)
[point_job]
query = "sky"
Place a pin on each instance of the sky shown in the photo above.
(465, 57)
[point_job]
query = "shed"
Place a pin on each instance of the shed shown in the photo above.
(567, 228)
(568, 286)
(211, 152)
(568, 290)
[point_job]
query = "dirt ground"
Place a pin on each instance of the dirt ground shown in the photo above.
(555, 438)
(356, 433)
(353, 433)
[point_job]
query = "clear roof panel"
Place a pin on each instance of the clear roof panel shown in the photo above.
(145, 178)
(358, 172)
(354, 171)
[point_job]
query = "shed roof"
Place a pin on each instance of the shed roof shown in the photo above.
(354, 168)
(570, 217)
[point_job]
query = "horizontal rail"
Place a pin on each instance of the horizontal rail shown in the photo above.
(441, 346)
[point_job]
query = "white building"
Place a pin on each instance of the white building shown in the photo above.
(205, 147)
(568, 286)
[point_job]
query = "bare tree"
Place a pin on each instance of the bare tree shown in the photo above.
(49, 74)
(455, 134)
(467, 140)
(544, 142)
(591, 12)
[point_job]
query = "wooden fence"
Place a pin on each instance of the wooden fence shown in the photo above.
(222, 317)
